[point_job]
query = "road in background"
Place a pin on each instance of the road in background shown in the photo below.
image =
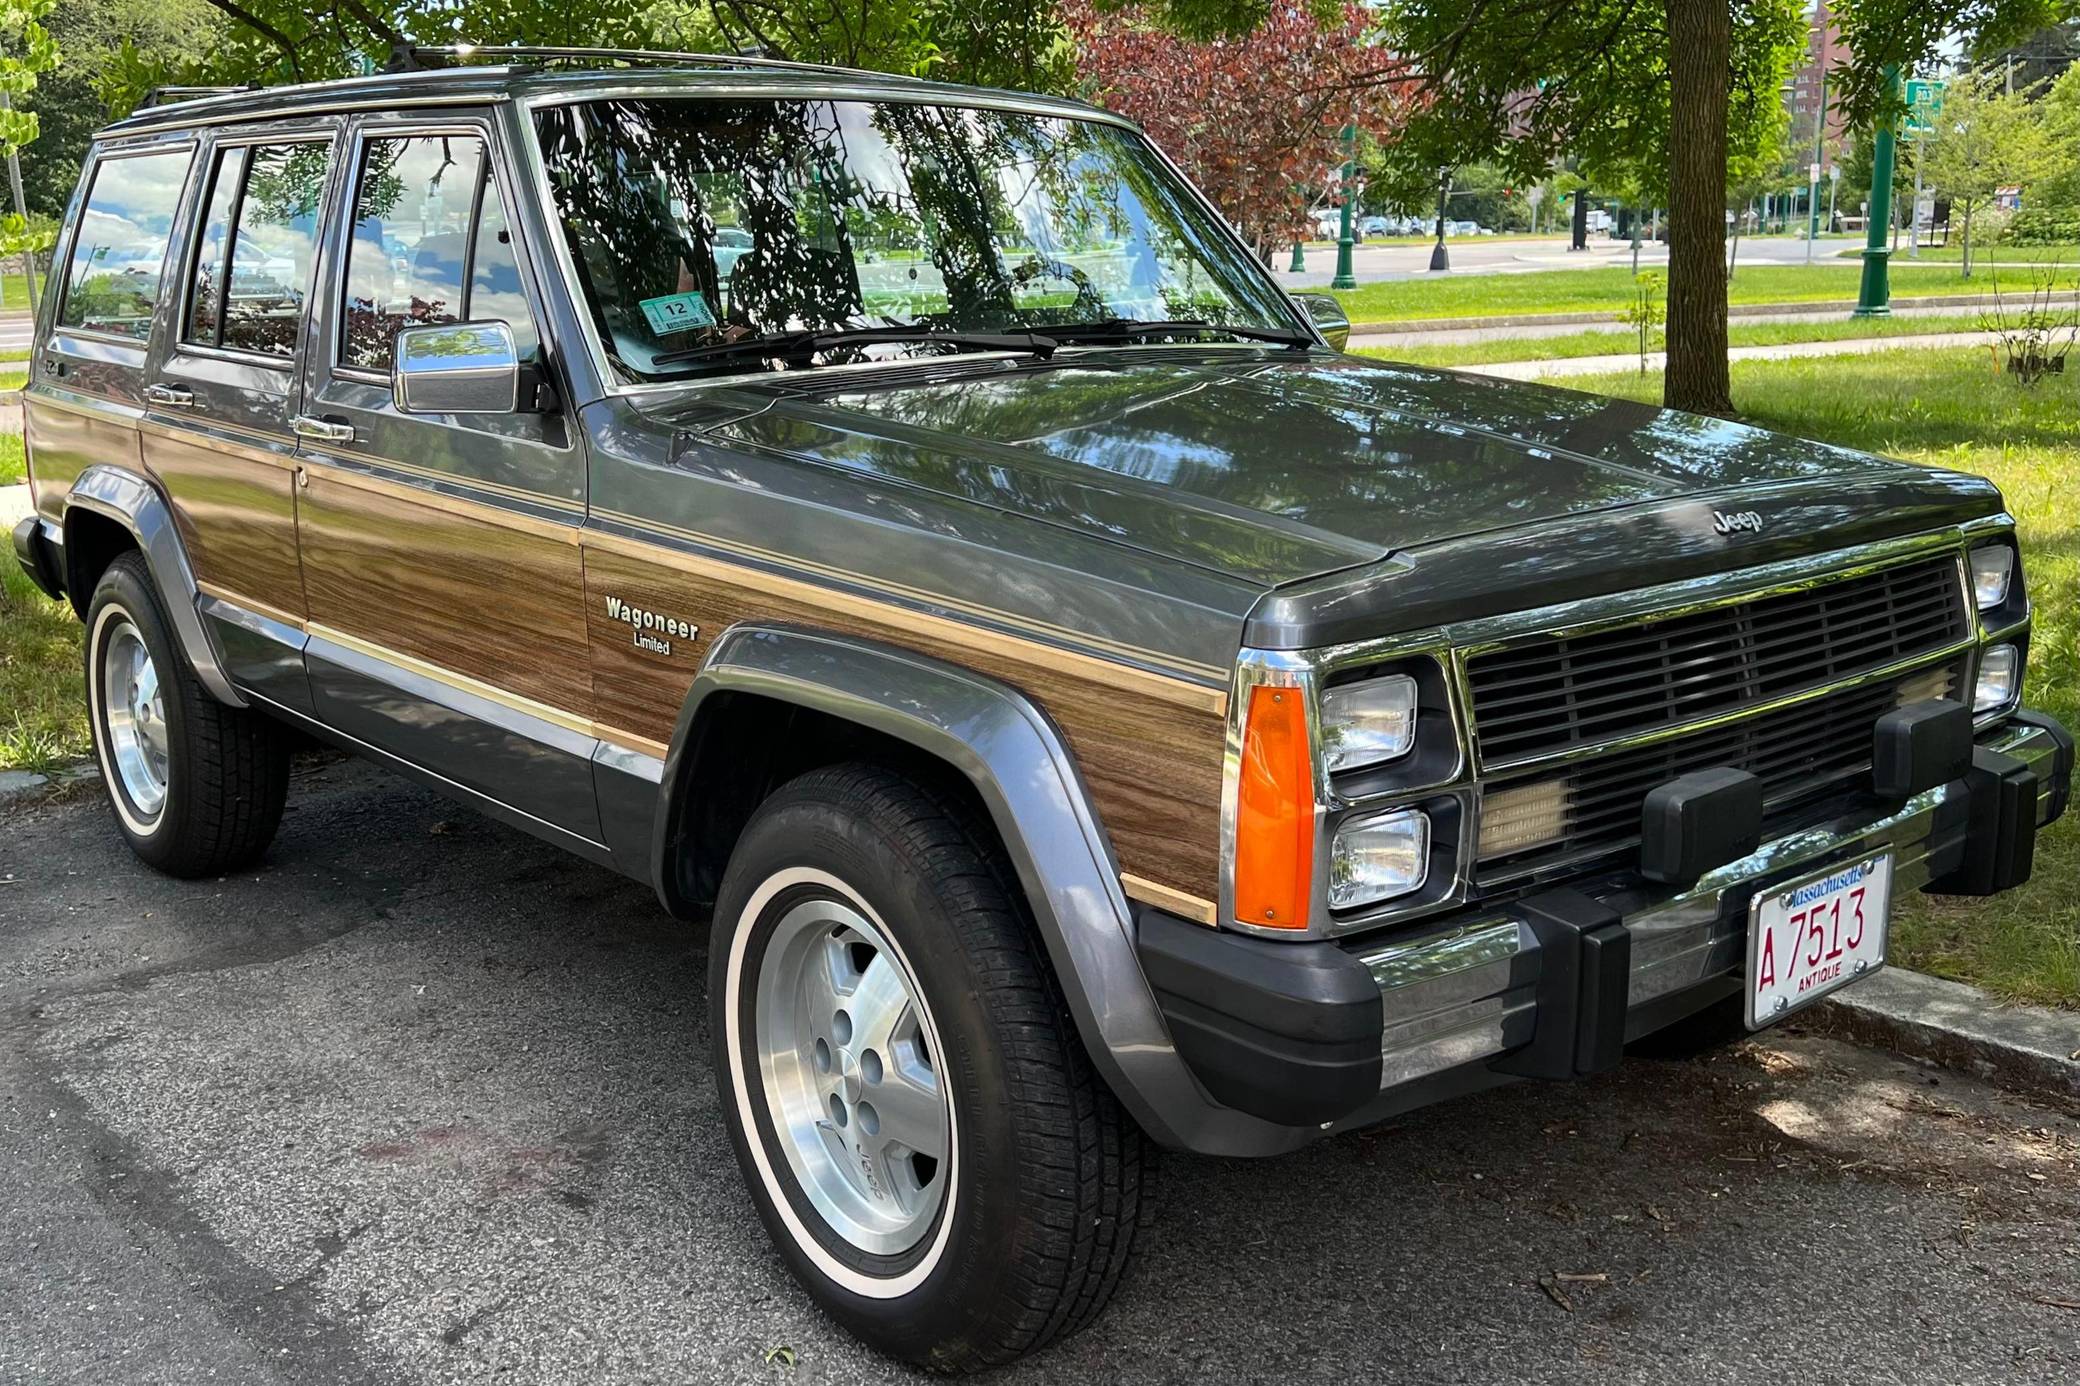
(420, 1100)
(1509, 255)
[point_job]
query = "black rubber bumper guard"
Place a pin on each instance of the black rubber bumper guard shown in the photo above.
(1291, 1032)
(36, 558)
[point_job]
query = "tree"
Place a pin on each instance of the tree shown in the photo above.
(1017, 43)
(1252, 120)
(1651, 97)
(1677, 87)
(2061, 187)
(1987, 138)
(26, 48)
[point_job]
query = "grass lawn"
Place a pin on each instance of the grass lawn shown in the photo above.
(1608, 289)
(1762, 332)
(1949, 410)
(13, 465)
(42, 690)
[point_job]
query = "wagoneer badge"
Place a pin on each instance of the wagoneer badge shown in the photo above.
(651, 630)
(1736, 521)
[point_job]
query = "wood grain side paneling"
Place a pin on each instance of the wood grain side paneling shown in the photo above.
(1153, 762)
(236, 512)
(453, 584)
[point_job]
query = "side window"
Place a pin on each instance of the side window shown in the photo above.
(260, 236)
(431, 245)
(495, 294)
(119, 251)
(206, 301)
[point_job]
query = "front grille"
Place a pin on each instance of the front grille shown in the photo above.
(1558, 693)
(1802, 754)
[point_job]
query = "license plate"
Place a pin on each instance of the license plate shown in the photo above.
(1812, 936)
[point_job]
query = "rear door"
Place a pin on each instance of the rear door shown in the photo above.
(440, 553)
(87, 374)
(223, 387)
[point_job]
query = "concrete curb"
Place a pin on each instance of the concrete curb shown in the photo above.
(1958, 1027)
(1742, 310)
(28, 786)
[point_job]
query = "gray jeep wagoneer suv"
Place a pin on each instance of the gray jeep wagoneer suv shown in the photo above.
(905, 526)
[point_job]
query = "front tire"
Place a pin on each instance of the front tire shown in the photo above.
(196, 787)
(913, 1112)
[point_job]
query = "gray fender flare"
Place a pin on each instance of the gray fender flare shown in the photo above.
(1018, 763)
(136, 504)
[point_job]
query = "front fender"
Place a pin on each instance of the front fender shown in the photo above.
(135, 504)
(1018, 763)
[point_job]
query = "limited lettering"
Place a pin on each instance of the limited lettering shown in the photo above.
(653, 631)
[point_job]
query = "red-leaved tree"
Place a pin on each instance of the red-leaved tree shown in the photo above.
(1254, 119)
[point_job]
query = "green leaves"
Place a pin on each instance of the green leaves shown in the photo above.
(26, 48)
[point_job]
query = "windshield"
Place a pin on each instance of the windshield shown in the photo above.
(698, 223)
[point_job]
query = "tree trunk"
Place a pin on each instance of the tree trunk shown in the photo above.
(1967, 240)
(1700, 65)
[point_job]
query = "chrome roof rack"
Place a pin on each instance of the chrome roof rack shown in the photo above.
(410, 57)
(173, 95)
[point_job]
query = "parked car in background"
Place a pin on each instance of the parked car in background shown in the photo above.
(1376, 226)
(1086, 710)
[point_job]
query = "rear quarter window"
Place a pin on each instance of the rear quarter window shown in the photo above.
(117, 269)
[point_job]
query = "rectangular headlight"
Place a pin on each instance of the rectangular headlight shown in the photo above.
(2000, 675)
(1993, 568)
(1379, 858)
(1368, 722)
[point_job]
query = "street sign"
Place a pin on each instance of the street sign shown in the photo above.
(1924, 97)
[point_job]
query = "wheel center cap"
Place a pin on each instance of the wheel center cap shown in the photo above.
(849, 1080)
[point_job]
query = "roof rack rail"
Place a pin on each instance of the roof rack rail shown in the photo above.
(412, 57)
(173, 95)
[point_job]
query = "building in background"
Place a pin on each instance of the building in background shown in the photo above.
(1825, 51)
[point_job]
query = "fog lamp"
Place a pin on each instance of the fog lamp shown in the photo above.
(1379, 858)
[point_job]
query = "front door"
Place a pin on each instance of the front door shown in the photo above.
(440, 553)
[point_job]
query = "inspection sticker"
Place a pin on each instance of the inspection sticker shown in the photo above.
(677, 313)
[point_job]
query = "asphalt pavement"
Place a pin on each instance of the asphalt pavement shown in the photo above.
(419, 1100)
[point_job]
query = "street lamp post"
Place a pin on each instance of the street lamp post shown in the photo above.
(1874, 300)
(1345, 278)
(1299, 264)
(1441, 258)
(1813, 181)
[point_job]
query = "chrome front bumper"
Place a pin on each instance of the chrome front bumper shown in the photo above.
(1458, 996)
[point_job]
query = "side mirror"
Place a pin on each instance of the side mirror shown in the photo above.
(456, 368)
(1328, 317)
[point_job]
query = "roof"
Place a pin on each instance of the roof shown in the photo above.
(478, 85)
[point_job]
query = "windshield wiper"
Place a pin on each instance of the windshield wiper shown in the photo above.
(802, 345)
(1129, 329)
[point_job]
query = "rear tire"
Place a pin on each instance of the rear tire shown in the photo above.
(196, 787)
(1017, 1223)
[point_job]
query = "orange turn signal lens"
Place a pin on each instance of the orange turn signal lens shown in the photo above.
(1274, 812)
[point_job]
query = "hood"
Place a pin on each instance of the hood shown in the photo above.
(1268, 469)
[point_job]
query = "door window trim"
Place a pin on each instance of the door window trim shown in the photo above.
(365, 134)
(198, 233)
(96, 159)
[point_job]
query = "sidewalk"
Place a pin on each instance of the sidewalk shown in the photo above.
(1629, 361)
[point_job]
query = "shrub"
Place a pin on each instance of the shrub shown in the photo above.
(2043, 226)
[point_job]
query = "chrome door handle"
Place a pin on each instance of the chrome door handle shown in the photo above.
(172, 396)
(322, 430)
